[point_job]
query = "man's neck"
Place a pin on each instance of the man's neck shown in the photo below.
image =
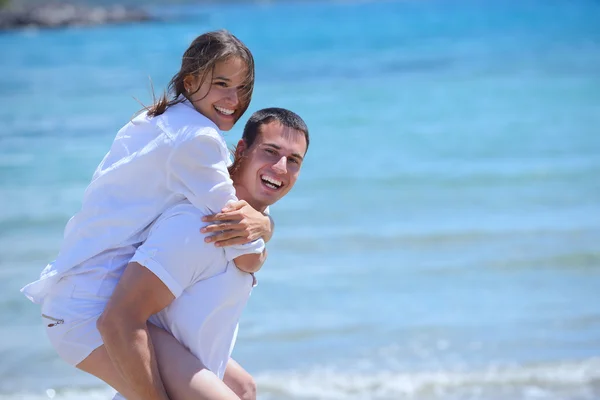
(242, 194)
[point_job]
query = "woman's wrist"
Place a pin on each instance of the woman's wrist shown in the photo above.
(269, 228)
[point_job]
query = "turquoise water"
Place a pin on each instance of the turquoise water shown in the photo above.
(443, 241)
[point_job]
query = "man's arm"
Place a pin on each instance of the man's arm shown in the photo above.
(123, 328)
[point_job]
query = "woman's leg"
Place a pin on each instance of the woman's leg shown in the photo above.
(240, 381)
(100, 365)
(183, 375)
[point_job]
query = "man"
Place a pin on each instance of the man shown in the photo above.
(190, 289)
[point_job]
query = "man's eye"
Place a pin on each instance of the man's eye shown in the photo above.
(270, 151)
(295, 161)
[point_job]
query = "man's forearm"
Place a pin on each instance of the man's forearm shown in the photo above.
(129, 346)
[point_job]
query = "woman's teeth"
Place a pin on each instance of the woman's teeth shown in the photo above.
(225, 111)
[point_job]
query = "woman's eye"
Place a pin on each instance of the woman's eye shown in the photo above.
(222, 84)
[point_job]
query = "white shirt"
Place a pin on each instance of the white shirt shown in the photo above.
(210, 292)
(205, 317)
(153, 163)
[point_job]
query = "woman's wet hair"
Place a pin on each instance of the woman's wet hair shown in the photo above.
(200, 59)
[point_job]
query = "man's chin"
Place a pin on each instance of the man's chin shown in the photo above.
(267, 200)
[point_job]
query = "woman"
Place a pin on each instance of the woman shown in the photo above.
(173, 152)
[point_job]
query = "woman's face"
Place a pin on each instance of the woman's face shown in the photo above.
(218, 97)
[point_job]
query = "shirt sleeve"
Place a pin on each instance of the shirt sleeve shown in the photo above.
(176, 253)
(197, 169)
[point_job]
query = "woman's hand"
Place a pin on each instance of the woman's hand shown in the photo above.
(238, 223)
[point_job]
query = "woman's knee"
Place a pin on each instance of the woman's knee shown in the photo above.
(240, 381)
(248, 389)
(99, 364)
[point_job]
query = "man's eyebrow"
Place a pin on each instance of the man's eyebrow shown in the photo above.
(277, 147)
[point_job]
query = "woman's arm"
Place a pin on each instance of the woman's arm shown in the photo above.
(197, 168)
(238, 223)
(251, 263)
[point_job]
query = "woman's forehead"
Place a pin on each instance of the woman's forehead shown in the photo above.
(230, 68)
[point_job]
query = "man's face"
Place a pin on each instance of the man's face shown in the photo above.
(270, 167)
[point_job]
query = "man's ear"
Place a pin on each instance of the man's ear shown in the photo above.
(240, 149)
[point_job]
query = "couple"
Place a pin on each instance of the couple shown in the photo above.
(137, 296)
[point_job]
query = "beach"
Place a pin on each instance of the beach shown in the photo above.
(442, 241)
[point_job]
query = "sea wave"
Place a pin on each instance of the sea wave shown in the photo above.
(62, 394)
(577, 380)
(564, 380)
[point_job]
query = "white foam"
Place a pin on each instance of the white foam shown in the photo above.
(63, 394)
(576, 380)
(559, 381)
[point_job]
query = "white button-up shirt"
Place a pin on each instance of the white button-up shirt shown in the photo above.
(154, 163)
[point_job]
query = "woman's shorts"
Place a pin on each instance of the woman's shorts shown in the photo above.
(70, 313)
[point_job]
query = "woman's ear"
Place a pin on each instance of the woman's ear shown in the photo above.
(189, 83)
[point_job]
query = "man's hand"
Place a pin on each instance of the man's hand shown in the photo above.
(238, 223)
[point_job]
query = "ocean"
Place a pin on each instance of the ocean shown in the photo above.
(443, 239)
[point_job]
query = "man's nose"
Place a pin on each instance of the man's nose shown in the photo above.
(281, 166)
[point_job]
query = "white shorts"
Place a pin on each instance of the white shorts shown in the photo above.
(70, 320)
(175, 252)
(74, 304)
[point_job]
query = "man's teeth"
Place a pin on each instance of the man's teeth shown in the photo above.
(225, 111)
(272, 182)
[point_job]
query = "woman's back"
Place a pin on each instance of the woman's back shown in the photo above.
(135, 182)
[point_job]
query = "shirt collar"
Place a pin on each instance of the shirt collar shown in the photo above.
(184, 101)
